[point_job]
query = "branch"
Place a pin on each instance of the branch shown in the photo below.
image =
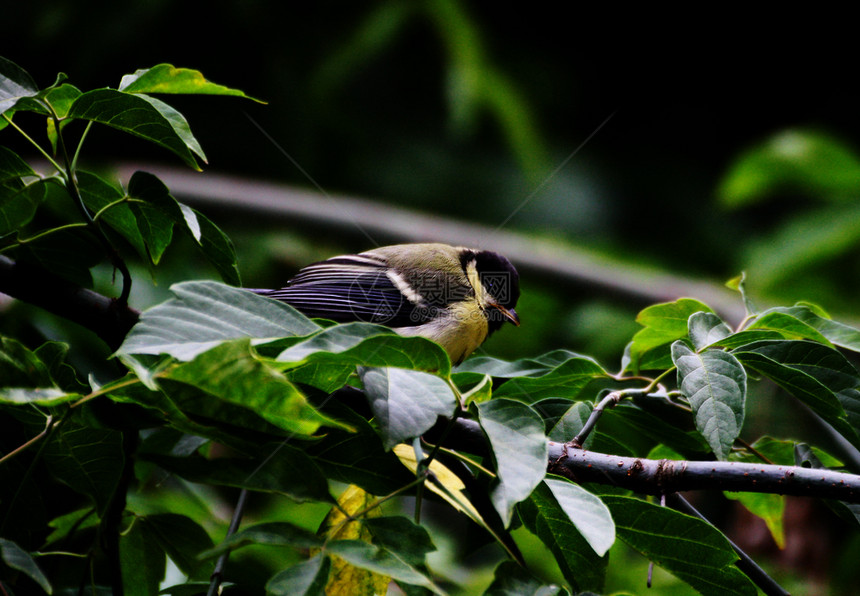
(292, 207)
(103, 316)
(665, 476)
(659, 477)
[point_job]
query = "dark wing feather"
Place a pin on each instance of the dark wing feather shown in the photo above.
(350, 288)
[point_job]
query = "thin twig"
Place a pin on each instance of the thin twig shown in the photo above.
(750, 568)
(217, 574)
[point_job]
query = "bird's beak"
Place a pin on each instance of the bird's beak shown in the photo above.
(510, 313)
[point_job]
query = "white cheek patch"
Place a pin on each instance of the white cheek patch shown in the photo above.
(404, 287)
(475, 280)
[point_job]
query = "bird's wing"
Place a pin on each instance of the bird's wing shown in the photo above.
(351, 288)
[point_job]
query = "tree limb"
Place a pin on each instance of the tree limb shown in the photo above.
(657, 477)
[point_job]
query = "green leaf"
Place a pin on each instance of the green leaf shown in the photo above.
(156, 215)
(556, 374)
(268, 533)
(232, 372)
(180, 537)
(630, 420)
(564, 418)
(715, 383)
(516, 435)
(769, 508)
(543, 516)
(97, 194)
(706, 328)
(793, 160)
(68, 253)
(586, 512)
(663, 324)
(379, 560)
(512, 580)
(20, 366)
(687, 547)
(307, 578)
(64, 525)
(819, 376)
(405, 403)
(142, 116)
(837, 333)
(205, 313)
(17, 558)
(166, 78)
(788, 326)
(279, 469)
(218, 249)
(89, 460)
(142, 560)
(365, 344)
(401, 535)
(19, 199)
(61, 98)
(15, 83)
(357, 457)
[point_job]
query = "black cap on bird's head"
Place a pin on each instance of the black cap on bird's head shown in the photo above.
(501, 282)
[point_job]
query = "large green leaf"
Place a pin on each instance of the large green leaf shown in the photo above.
(706, 328)
(19, 199)
(88, 459)
(15, 83)
(280, 469)
(788, 326)
(232, 372)
(97, 194)
(358, 456)
(166, 78)
(819, 376)
(380, 560)
(689, 548)
(268, 533)
(307, 578)
(366, 344)
(663, 324)
(142, 560)
(25, 379)
(586, 512)
(142, 116)
(17, 558)
(556, 374)
(69, 253)
(580, 565)
(715, 383)
(218, 249)
(512, 580)
(519, 444)
(564, 418)
(837, 333)
(179, 536)
(401, 535)
(205, 313)
(156, 212)
(406, 403)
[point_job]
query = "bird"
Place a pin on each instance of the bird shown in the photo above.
(453, 295)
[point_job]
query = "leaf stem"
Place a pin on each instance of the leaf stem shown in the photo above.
(38, 147)
(74, 190)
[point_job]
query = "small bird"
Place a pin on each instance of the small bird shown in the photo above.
(455, 296)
